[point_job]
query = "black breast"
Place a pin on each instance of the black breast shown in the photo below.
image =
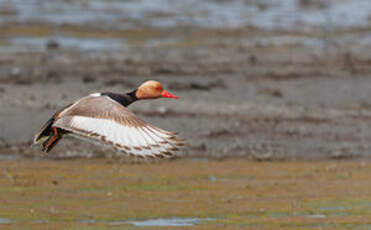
(123, 99)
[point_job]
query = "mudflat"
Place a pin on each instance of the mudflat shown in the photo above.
(272, 101)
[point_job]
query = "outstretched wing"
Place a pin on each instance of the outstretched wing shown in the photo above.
(102, 119)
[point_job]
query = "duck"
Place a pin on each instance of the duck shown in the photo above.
(105, 119)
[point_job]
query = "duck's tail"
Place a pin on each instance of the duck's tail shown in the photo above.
(44, 131)
(49, 135)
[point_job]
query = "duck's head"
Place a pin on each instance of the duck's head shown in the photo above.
(151, 90)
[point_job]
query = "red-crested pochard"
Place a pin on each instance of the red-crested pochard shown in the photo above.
(103, 117)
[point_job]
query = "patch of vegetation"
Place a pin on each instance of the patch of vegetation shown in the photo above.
(93, 194)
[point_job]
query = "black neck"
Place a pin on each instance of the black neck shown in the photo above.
(133, 95)
(123, 99)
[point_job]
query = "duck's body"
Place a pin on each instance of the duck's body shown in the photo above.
(103, 117)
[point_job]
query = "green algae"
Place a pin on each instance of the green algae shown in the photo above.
(90, 194)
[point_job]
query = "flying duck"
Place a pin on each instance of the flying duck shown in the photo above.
(104, 118)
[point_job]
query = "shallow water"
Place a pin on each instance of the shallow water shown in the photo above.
(40, 44)
(5, 221)
(86, 44)
(163, 222)
(283, 14)
(160, 222)
(121, 15)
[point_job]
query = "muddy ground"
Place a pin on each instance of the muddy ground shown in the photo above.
(262, 101)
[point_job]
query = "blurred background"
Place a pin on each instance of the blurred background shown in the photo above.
(275, 106)
(261, 79)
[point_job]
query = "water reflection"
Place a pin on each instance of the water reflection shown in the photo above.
(162, 222)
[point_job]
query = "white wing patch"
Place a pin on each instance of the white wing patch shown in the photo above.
(141, 141)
